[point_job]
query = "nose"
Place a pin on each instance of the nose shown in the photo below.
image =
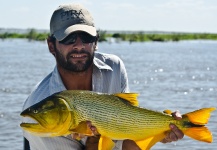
(78, 44)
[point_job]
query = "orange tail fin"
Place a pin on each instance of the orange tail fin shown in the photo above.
(199, 117)
(199, 133)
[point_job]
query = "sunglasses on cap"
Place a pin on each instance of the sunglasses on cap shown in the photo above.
(85, 38)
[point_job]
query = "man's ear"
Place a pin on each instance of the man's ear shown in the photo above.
(51, 47)
(95, 46)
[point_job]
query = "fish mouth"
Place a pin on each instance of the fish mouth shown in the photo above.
(30, 125)
(34, 125)
(35, 128)
(23, 124)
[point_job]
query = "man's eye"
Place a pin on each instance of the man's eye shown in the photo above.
(71, 39)
(68, 41)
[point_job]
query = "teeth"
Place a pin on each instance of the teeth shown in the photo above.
(77, 56)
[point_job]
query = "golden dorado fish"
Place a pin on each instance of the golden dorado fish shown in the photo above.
(116, 117)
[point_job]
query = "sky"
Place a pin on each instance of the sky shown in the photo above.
(120, 15)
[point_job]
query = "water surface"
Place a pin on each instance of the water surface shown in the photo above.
(170, 75)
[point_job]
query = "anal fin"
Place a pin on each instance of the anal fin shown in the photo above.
(146, 144)
(105, 143)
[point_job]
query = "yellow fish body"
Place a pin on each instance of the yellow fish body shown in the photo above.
(116, 117)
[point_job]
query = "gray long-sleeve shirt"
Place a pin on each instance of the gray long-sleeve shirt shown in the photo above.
(109, 76)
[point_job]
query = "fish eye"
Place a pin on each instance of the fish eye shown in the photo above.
(35, 111)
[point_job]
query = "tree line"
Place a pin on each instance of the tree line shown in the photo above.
(128, 36)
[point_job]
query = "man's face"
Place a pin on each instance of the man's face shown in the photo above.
(75, 56)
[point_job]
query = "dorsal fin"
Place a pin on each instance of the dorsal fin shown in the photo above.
(168, 112)
(130, 97)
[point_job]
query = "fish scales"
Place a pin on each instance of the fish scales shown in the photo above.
(110, 113)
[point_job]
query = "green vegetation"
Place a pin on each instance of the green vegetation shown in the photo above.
(31, 35)
(128, 36)
(141, 37)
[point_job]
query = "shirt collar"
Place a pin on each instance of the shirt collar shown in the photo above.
(56, 84)
(100, 64)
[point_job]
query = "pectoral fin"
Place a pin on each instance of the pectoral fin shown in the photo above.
(82, 128)
(146, 144)
(105, 143)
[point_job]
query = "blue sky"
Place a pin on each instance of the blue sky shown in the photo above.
(138, 15)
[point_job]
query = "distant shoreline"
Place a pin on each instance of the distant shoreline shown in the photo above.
(131, 36)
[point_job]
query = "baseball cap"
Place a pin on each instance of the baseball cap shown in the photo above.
(68, 18)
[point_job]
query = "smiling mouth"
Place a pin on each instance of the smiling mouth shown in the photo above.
(78, 55)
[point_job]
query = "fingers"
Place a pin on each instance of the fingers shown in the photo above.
(92, 128)
(129, 145)
(166, 139)
(92, 143)
(174, 135)
(177, 115)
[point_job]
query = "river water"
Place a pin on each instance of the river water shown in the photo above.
(167, 75)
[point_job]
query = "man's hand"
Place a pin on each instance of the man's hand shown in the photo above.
(175, 134)
(130, 145)
(92, 143)
(92, 128)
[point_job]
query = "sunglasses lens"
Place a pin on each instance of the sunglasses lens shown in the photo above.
(71, 39)
(87, 38)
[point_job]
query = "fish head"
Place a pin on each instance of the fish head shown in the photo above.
(52, 116)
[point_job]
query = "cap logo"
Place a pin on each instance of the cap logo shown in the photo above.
(72, 14)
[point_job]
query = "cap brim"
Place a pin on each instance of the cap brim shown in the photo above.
(62, 33)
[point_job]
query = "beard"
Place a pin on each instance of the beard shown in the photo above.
(79, 66)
